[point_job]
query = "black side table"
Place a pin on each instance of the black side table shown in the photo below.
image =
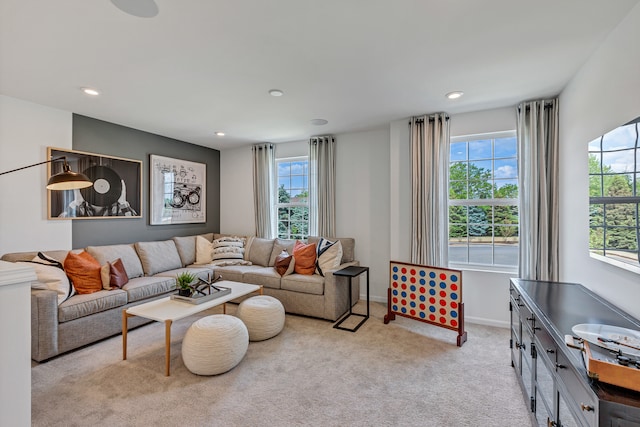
(351, 272)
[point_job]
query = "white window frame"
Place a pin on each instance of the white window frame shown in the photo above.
(488, 202)
(279, 205)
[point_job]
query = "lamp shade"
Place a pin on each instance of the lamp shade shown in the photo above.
(68, 180)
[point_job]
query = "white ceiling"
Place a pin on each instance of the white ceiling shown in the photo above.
(202, 66)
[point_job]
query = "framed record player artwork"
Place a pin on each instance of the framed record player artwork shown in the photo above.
(116, 191)
(178, 192)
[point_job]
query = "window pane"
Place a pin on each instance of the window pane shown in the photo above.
(619, 161)
(458, 151)
(458, 190)
(596, 239)
(481, 249)
(505, 147)
(595, 186)
(505, 215)
(479, 221)
(458, 252)
(480, 149)
(596, 214)
(621, 137)
(506, 189)
(506, 168)
(480, 189)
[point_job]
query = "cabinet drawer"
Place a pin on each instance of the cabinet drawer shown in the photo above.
(545, 344)
(580, 398)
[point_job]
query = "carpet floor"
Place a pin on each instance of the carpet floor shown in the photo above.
(406, 373)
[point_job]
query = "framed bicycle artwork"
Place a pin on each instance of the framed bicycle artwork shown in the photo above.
(178, 191)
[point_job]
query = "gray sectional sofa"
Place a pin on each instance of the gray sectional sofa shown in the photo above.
(152, 267)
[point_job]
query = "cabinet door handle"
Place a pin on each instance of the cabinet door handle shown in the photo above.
(550, 350)
(560, 366)
(522, 346)
(586, 407)
(530, 319)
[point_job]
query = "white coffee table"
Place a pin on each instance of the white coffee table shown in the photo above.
(168, 310)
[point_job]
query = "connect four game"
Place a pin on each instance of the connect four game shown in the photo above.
(428, 294)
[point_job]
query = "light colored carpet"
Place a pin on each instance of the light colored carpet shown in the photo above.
(406, 373)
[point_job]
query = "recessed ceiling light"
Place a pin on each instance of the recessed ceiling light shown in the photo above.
(276, 92)
(220, 133)
(90, 91)
(319, 122)
(454, 95)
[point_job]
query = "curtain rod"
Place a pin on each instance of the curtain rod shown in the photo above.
(431, 119)
(547, 104)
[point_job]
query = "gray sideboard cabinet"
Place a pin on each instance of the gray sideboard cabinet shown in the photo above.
(552, 376)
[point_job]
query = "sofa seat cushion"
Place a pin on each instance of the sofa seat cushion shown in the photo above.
(87, 304)
(265, 276)
(202, 272)
(233, 272)
(304, 283)
(145, 287)
(110, 253)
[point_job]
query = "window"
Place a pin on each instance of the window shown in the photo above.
(483, 201)
(614, 196)
(293, 198)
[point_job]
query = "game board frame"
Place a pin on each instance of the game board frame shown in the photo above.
(391, 314)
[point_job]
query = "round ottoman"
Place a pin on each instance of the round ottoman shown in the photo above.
(214, 344)
(263, 315)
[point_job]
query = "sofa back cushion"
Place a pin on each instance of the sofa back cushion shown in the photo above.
(348, 246)
(157, 257)
(278, 246)
(186, 247)
(260, 251)
(110, 253)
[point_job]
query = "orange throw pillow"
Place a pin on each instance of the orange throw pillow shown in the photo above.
(305, 256)
(84, 272)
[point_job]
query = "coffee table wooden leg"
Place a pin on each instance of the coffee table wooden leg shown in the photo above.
(167, 354)
(125, 328)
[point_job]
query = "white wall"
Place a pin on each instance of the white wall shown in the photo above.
(604, 94)
(26, 129)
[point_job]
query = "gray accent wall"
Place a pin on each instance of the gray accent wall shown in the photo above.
(99, 137)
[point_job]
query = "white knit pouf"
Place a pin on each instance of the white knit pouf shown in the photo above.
(214, 344)
(263, 315)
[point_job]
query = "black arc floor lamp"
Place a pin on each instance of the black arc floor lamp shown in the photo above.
(65, 180)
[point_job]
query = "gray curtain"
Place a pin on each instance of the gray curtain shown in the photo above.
(322, 186)
(430, 189)
(538, 182)
(263, 173)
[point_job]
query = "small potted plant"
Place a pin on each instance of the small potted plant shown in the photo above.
(183, 283)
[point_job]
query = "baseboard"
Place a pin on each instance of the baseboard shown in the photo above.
(487, 322)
